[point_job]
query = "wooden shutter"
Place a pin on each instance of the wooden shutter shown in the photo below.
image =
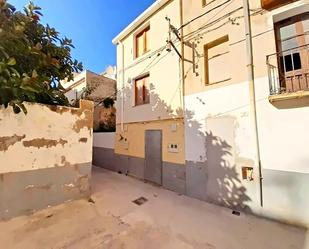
(146, 90)
(139, 45)
(146, 40)
(142, 42)
(139, 89)
(142, 95)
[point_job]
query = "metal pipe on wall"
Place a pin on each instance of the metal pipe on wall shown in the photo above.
(122, 88)
(182, 57)
(252, 93)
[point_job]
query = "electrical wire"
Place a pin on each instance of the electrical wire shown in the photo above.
(231, 20)
(211, 23)
(143, 59)
(205, 13)
(159, 50)
(163, 47)
(150, 65)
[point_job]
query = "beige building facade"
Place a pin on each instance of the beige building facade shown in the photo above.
(235, 158)
(101, 86)
(228, 135)
(97, 88)
(150, 99)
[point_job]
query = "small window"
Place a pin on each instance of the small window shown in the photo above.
(290, 62)
(215, 67)
(142, 42)
(204, 3)
(141, 86)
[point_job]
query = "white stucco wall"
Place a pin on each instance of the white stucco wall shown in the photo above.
(201, 106)
(282, 132)
(104, 140)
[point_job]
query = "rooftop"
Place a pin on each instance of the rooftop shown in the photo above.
(140, 19)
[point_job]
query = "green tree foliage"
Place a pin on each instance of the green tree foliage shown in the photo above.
(33, 59)
(108, 102)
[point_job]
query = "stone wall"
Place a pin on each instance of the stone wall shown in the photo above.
(45, 157)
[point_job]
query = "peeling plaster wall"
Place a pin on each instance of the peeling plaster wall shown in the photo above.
(44, 136)
(50, 142)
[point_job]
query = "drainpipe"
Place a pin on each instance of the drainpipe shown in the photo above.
(122, 87)
(252, 93)
(182, 57)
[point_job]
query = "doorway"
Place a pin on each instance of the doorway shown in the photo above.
(153, 156)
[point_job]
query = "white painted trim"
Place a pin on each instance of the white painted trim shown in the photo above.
(139, 20)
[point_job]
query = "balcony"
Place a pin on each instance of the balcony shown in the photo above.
(272, 4)
(288, 73)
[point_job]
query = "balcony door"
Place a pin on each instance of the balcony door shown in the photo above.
(292, 40)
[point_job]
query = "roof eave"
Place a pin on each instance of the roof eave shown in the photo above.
(139, 20)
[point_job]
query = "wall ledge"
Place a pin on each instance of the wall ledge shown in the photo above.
(288, 96)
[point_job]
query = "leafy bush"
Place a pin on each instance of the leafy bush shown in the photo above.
(106, 127)
(108, 102)
(33, 59)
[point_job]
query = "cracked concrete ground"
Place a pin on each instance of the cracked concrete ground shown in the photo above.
(166, 220)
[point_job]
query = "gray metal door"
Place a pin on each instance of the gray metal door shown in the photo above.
(153, 156)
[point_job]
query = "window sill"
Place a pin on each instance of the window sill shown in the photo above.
(137, 59)
(218, 84)
(141, 105)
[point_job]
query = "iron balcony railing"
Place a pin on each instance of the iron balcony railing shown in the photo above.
(288, 71)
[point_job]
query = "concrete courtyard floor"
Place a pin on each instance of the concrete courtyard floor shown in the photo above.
(167, 220)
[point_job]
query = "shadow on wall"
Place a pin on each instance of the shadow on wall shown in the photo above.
(219, 179)
(160, 109)
(225, 186)
(217, 174)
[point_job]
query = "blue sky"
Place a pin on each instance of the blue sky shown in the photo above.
(92, 24)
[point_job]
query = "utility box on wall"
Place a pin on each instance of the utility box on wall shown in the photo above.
(247, 173)
(173, 148)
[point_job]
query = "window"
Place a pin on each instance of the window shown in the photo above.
(292, 41)
(215, 59)
(203, 3)
(141, 86)
(142, 42)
